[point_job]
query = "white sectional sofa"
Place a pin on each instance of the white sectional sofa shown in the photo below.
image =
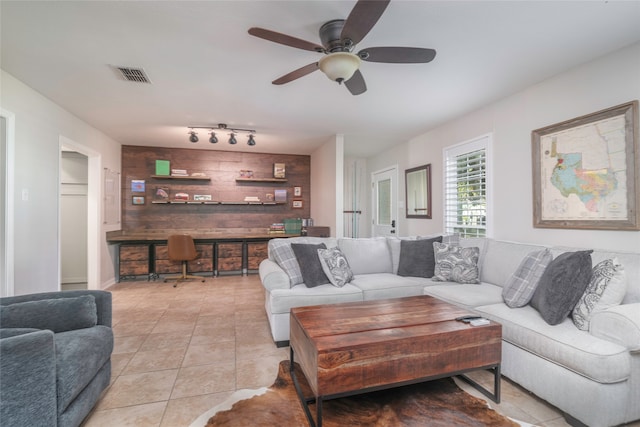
(592, 376)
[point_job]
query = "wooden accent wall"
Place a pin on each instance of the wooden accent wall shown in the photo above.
(223, 167)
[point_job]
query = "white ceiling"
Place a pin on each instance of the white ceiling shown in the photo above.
(206, 69)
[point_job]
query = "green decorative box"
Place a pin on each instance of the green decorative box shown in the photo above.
(163, 167)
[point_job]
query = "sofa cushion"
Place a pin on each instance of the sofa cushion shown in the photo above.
(280, 250)
(79, 356)
(57, 315)
(367, 255)
(309, 262)
(578, 351)
(14, 332)
(466, 295)
(387, 285)
(606, 289)
(501, 259)
(519, 289)
(561, 285)
(456, 264)
(417, 258)
(335, 266)
(282, 300)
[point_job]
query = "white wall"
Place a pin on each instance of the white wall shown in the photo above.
(327, 185)
(608, 81)
(39, 126)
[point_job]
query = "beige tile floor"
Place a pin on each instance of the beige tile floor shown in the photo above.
(180, 351)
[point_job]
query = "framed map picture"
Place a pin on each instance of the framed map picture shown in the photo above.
(585, 171)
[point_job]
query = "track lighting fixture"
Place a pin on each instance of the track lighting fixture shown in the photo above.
(193, 136)
(223, 127)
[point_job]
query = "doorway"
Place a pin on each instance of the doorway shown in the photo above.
(74, 176)
(385, 200)
(7, 144)
(79, 252)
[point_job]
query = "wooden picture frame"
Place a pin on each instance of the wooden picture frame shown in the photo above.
(297, 191)
(585, 171)
(279, 170)
(137, 200)
(418, 192)
(296, 204)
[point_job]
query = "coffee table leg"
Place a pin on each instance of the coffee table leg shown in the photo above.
(303, 400)
(495, 396)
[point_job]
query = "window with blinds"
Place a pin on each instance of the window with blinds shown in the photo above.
(465, 192)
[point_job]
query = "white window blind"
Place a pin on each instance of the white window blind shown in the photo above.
(465, 191)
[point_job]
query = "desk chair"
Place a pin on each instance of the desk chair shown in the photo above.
(181, 248)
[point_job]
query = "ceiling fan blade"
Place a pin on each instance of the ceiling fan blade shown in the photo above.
(397, 55)
(285, 39)
(296, 74)
(356, 84)
(362, 18)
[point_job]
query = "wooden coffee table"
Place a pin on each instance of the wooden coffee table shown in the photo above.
(359, 347)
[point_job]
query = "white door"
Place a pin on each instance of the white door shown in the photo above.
(385, 199)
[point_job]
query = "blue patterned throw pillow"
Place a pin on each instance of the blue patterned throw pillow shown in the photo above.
(335, 266)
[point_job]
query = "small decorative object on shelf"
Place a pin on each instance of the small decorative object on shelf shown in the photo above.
(276, 228)
(182, 196)
(245, 173)
(198, 175)
(280, 195)
(201, 197)
(297, 204)
(297, 191)
(162, 193)
(269, 197)
(279, 170)
(137, 200)
(162, 167)
(179, 172)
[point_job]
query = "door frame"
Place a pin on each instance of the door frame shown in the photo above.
(393, 170)
(7, 244)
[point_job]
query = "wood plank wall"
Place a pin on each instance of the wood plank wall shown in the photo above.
(138, 163)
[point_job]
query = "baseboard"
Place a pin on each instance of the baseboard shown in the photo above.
(281, 344)
(108, 283)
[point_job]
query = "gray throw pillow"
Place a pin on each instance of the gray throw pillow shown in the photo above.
(286, 259)
(561, 286)
(335, 266)
(309, 261)
(456, 264)
(417, 258)
(519, 289)
(57, 315)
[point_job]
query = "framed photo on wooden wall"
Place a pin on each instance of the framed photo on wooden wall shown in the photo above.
(297, 204)
(279, 170)
(585, 171)
(297, 191)
(137, 200)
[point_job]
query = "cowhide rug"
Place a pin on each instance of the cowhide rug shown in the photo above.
(438, 403)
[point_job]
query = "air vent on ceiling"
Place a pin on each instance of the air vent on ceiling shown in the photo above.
(132, 74)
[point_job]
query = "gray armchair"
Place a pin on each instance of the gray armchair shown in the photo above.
(55, 356)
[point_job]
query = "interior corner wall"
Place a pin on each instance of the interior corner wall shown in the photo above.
(39, 125)
(327, 185)
(605, 82)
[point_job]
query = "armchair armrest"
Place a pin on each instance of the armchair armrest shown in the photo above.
(28, 378)
(272, 276)
(619, 324)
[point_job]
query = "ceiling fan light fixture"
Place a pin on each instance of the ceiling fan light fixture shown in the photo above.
(339, 66)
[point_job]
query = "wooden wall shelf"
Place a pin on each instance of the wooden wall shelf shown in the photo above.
(210, 202)
(261, 180)
(184, 178)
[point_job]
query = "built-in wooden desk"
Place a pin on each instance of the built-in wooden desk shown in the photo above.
(144, 252)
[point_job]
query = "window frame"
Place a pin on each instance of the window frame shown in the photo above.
(482, 142)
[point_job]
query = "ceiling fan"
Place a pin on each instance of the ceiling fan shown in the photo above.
(339, 38)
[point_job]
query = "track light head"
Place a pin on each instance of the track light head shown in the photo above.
(251, 142)
(193, 136)
(232, 139)
(214, 138)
